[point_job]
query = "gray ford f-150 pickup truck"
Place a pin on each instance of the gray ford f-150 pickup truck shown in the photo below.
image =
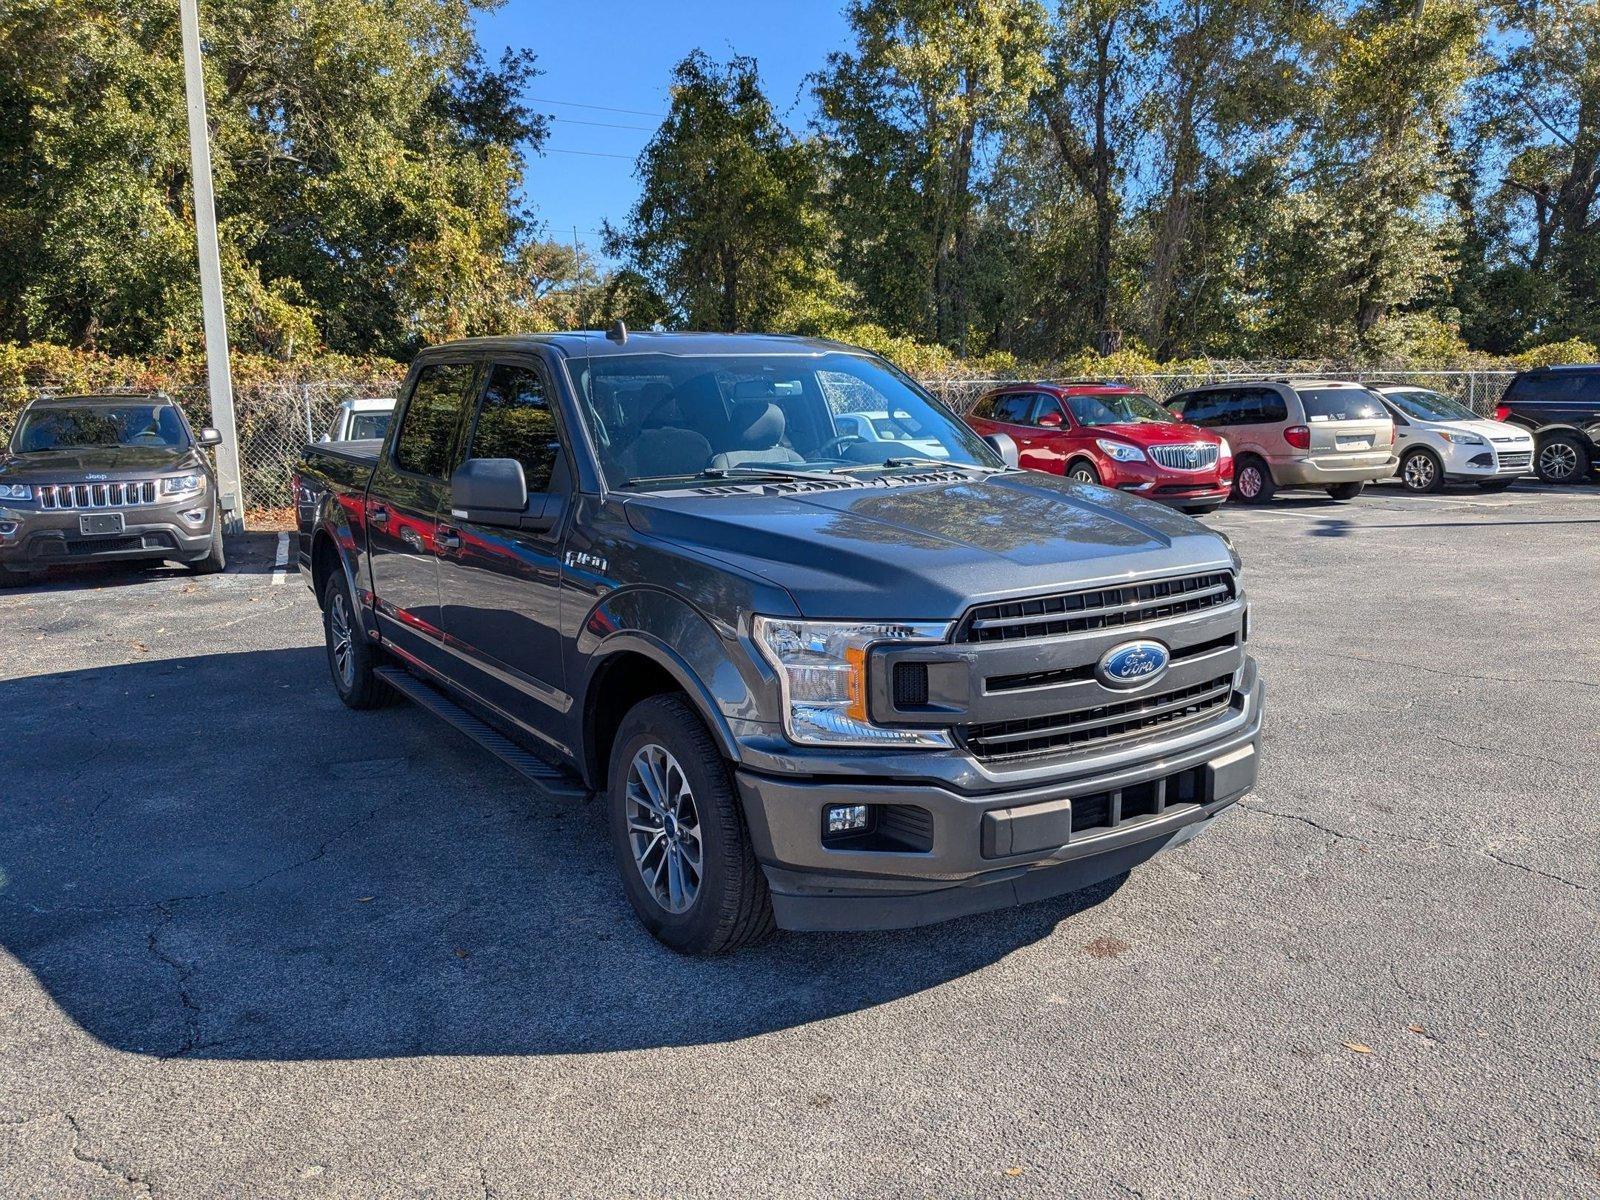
(821, 681)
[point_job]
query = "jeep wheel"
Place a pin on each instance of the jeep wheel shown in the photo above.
(352, 659)
(216, 559)
(1562, 458)
(1252, 481)
(1082, 471)
(1420, 471)
(678, 835)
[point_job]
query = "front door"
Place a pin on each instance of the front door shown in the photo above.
(409, 490)
(501, 587)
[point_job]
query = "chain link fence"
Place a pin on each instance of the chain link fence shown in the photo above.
(275, 421)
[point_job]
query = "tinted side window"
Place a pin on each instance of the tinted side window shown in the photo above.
(1265, 406)
(1569, 385)
(429, 426)
(1205, 408)
(515, 421)
(984, 408)
(1013, 409)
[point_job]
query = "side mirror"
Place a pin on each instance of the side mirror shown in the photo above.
(209, 437)
(1005, 446)
(494, 491)
(1050, 420)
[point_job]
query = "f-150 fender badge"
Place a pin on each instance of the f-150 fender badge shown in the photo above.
(590, 562)
(1132, 664)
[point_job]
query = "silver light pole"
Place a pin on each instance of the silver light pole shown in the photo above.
(231, 500)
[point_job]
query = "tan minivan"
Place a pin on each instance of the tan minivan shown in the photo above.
(1301, 433)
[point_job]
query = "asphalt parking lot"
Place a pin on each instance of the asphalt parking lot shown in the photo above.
(254, 944)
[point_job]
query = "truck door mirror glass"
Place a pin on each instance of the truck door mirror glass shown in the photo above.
(210, 437)
(1005, 446)
(483, 487)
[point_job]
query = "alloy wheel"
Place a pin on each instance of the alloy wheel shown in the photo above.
(1082, 475)
(1419, 472)
(1558, 461)
(664, 828)
(1250, 482)
(344, 661)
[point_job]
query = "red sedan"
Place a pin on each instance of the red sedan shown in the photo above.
(1112, 435)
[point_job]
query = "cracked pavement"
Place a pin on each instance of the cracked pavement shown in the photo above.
(254, 944)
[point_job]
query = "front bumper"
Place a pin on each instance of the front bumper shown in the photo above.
(1179, 489)
(1486, 462)
(157, 531)
(996, 848)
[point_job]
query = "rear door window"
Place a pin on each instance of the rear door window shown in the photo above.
(1206, 409)
(1015, 408)
(1341, 404)
(428, 429)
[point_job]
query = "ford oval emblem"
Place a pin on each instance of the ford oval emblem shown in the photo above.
(1132, 664)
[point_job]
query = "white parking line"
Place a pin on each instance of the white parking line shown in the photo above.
(280, 563)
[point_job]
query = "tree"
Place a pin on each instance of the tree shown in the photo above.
(906, 116)
(367, 164)
(725, 227)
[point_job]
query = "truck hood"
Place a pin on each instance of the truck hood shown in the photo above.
(928, 551)
(113, 462)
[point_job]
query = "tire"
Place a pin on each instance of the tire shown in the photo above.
(1494, 485)
(353, 674)
(1561, 458)
(663, 748)
(1421, 472)
(1081, 470)
(1346, 491)
(1252, 481)
(216, 559)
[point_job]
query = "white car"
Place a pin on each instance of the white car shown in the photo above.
(357, 420)
(1439, 439)
(899, 431)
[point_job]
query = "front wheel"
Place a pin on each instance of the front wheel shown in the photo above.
(678, 835)
(1420, 471)
(1082, 471)
(216, 559)
(1562, 459)
(1252, 481)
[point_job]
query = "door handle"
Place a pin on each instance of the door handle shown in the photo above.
(379, 516)
(449, 539)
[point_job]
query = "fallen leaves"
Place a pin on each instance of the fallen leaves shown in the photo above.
(139, 648)
(1357, 1047)
(1106, 947)
(1013, 1171)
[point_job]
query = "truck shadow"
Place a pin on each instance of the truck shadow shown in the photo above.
(211, 857)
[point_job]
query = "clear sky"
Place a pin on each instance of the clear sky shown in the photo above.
(618, 54)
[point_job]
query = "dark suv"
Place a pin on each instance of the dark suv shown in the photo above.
(822, 679)
(1561, 406)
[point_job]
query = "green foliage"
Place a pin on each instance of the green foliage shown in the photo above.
(1573, 350)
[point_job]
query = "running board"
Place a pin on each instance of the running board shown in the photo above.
(550, 779)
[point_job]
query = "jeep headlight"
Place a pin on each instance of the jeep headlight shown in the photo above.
(16, 491)
(183, 485)
(822, 673)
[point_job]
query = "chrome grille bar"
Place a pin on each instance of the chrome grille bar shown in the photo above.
(121, 494)
(1193, 456)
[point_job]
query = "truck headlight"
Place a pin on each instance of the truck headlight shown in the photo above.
(822, 673)
(183, 485)
(16, 491)
(1120, 451)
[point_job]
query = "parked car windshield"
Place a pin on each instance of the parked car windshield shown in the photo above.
(1341, 404)
(1118, 408)
(73, 426)
(657, 417)
(1423, 405)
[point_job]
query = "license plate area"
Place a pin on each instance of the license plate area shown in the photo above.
(1355, 443)
(93, 523)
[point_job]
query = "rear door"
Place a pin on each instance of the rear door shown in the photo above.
(501, 587)
(409, 490)
(1348, 423)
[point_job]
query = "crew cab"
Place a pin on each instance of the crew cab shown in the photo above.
(1560, 407)
(1110, 434)
(821, 681)
(108, 477)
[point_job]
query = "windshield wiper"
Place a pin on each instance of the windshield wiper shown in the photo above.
(751, 472)
(924, 464)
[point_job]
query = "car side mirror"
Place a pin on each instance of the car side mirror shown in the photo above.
(494, 491)
(1005, 446)
(1050, 420)
(210, 437)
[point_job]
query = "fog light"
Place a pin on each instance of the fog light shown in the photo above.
(846, 818)
(195, 516)
(8, 529)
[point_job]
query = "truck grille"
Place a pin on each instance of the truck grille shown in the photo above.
(1099, 608)
(97, 495)
(1103, 724)
(1198, 456)
(1516, 458)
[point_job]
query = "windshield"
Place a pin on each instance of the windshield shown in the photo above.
(1423, 405)
(1341, 404)
(71, 426)
(368, 425)
(1118, 408)
(658, 417)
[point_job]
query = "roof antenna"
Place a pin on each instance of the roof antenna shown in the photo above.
(618, 333)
